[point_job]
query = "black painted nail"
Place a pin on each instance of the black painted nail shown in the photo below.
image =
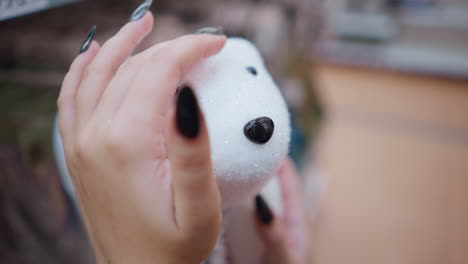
(210, 30)
(88, 39)
(264, 213)
(187, 113)
(140, 11)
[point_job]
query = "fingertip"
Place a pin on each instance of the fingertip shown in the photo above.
(221, 41)
(148, 22)
(140, 27)
(287, 167)
(188, 115)
(150, 17)
(188, 146)
(263, 211)
(94, 47)
(188, 130)
(269, 227)
(209, 43)
(293, 204)
(288, 174)
(82, 60)
(193, 181)
(216, 43)
(90, 51)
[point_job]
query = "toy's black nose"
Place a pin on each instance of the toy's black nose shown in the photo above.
(259, 130)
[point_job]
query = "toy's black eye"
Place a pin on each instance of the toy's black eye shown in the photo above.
(252, 70)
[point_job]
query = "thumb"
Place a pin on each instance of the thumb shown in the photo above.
(197, 202)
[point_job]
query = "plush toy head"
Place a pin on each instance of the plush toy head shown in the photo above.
(247, 118)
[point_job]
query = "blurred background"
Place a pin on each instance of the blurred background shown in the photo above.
(378, 91)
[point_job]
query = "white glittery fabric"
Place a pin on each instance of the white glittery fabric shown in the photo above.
(230, 96)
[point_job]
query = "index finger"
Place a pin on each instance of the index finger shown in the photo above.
(155, 85)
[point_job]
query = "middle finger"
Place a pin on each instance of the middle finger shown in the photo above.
(117, 89)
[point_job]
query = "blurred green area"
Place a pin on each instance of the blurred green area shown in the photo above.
(27, 117)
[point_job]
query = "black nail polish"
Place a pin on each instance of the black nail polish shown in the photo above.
(210, 30)
(264, 213)
(187, 113)
(140, 11)
(88, 39)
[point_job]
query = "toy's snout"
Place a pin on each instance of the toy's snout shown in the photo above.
(259, 130)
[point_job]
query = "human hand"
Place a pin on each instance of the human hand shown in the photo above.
(141, 170)
(286, 237)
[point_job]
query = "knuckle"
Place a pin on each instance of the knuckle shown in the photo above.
(91, 70)
(81, 149)
(114, 141)
(196, 156)
(130, 63)
(195, 181)
(85, 144)
(195, 164)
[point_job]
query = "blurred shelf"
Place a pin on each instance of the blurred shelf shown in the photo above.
(15, 8)
(405, 57)
(369, 26)
(439, 17)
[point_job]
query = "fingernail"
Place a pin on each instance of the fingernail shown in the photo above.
(264, 213)
(210, 30)
(187, 113)
(140, 11)
(88, 39)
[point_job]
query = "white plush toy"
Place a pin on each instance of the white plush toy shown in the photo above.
(249, 129)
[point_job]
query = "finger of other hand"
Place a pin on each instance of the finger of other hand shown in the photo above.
(271, 231)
